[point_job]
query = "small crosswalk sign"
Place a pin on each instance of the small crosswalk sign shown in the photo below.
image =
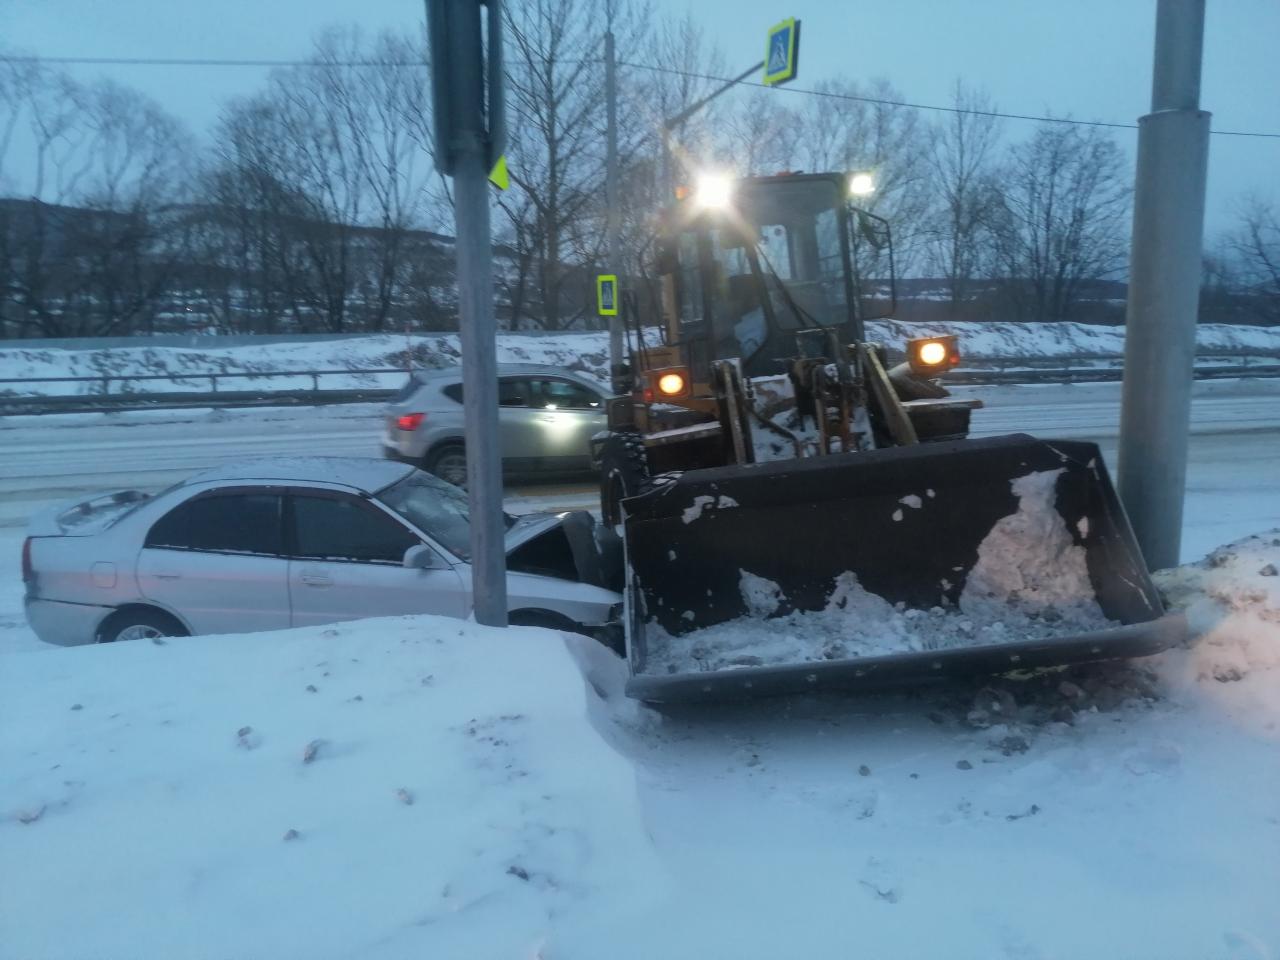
(782, 52)
(607, 294)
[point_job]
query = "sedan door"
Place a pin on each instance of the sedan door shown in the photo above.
(217, 561)
(347, 562)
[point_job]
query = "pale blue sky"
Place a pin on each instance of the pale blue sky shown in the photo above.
(1089, 58)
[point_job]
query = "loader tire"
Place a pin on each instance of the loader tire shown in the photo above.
(624, 472)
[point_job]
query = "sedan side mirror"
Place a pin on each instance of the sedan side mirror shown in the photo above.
(421, 557)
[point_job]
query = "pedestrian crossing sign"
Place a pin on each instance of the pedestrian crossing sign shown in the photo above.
(782, 52)
(607, 294)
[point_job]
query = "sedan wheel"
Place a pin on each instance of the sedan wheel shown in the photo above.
(139, 631)
(139, 623)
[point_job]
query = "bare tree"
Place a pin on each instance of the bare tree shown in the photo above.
(92, 243)
(555, 83)
(862, 129)
(1255, 246)
(1064, 218)
(761, 135)
(961, 163)
(327, 172)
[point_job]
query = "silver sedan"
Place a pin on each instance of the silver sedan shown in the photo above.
(289, 542)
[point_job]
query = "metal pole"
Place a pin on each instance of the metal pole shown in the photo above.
(613, 223)
(477, 329)
(1164, 286)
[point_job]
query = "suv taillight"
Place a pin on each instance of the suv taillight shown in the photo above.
(410, 421)
(28, 574)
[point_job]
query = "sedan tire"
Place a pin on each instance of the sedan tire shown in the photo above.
(139, 623)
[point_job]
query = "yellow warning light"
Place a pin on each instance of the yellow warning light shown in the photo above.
(672, 384)
(933, 352)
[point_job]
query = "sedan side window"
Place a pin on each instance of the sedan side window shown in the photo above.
(563, 395)
(222, 523)
(343, 528)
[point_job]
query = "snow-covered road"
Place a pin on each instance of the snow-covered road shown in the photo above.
(1235, 448)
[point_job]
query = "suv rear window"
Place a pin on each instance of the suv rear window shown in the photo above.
(407, 391)
(453, 391)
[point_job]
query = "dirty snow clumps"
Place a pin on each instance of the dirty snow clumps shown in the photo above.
(693, 512)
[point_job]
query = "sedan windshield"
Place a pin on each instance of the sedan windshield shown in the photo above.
(437, 508)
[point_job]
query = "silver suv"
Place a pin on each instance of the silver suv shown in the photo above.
(546, 418)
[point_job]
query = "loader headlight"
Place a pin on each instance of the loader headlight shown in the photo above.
(673, 384)
(861, 185)
(713, 191)
(932, 355)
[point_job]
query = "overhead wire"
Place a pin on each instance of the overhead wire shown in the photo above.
(653, 68)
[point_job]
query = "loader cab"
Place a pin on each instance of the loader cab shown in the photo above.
(746, 269)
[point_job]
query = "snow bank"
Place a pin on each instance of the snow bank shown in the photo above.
(1044, 340)
(469, 795)
(393, 788)
(586, 352)
(1232, 602)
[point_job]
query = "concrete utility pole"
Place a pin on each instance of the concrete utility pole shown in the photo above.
(1164, 286)
(469, 135)
(613, 223)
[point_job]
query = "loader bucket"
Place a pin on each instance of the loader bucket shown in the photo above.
(884, 568)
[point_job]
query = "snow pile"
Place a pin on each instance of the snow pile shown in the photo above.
(404, 787)
(469, 795)
(979, 340)
(1232, 602)
(1029, 566)
(1031, 582)
(584, 352)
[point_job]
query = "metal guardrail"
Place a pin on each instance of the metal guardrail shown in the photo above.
(981, 370)
(104, 398)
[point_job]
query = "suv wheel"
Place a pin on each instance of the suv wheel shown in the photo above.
(449, 463)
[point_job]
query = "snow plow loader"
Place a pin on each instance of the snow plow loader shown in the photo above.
(802, 510)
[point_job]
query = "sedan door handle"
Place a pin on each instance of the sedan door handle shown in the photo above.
(317, 580)
(168, 576)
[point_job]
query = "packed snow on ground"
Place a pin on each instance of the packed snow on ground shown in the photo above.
(1232, 600)
(586, 352)
(423, 787)
(1030, 582)
(393, 788)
